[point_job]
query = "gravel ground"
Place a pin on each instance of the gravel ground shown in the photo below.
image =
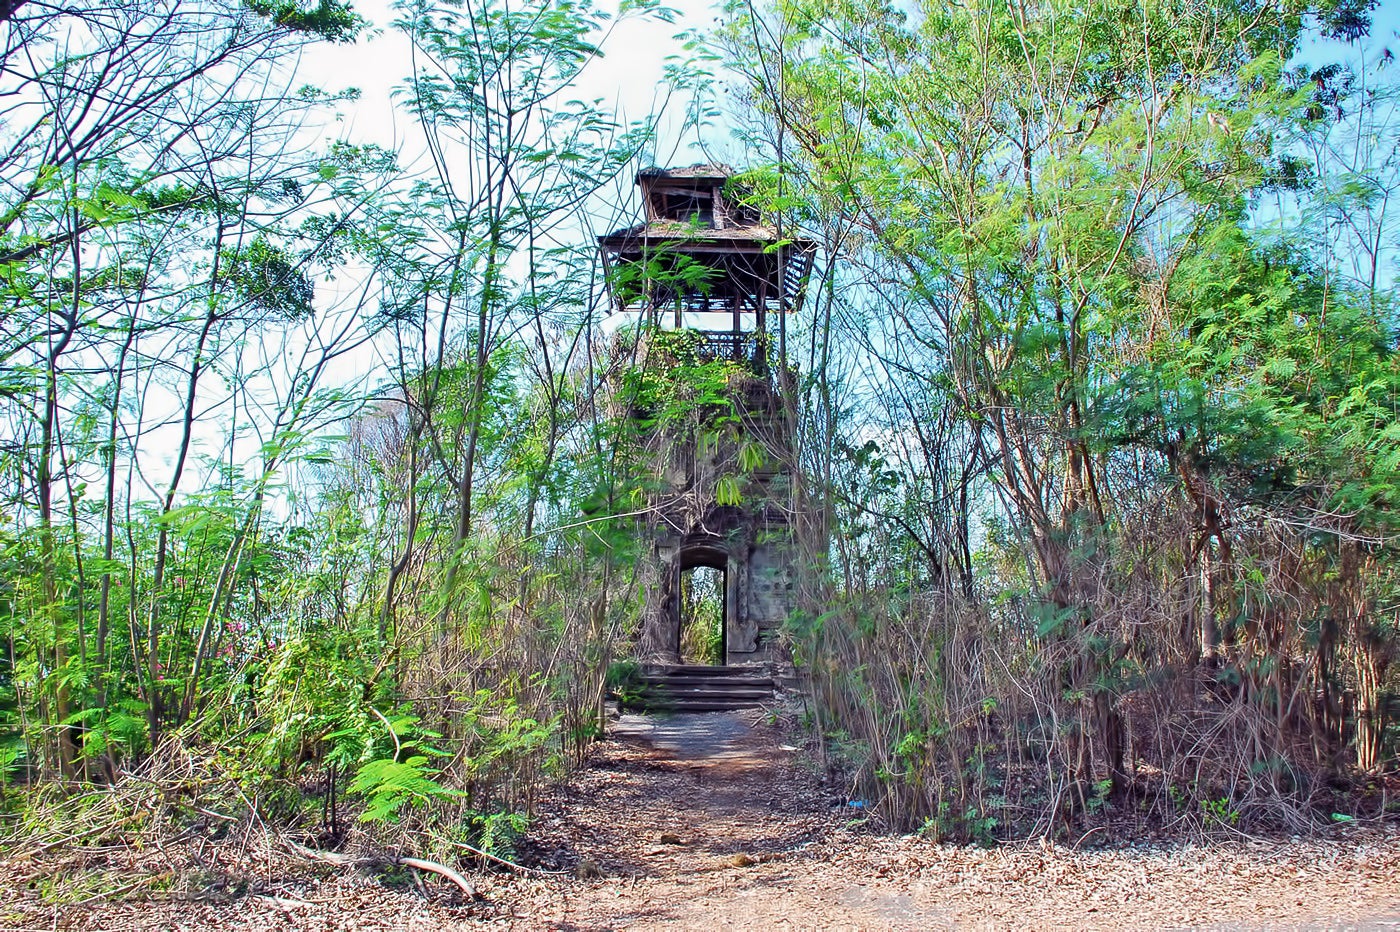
(713, 822)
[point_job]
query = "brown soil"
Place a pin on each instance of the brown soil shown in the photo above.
(713, 821)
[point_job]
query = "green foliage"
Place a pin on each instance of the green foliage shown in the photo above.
(497, 833)
(702, 615)
(504, 737)
(10, 756)
(312, 700)
(117, 732)
(1097, 430)
(381, 590)
(1218, 812)
(623, 681)
(1269, 382)
(1121, 352)
(663, 277)
(327, 19)
(389, 785)
(269, 279)
(677, 385)
(971, 824)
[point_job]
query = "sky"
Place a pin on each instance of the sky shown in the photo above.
(628, 77)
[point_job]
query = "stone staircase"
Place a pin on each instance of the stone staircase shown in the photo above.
(697, 688)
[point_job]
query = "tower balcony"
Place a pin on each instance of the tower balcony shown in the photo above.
(704, 259)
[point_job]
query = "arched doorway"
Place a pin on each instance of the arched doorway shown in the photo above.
(703, 606)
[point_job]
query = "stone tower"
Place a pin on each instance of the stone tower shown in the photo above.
(703, 279)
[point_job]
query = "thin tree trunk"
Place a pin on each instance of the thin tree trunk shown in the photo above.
(155, 701)
(104, 604)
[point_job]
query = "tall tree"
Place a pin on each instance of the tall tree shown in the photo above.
(1047, 193)
(148, 195)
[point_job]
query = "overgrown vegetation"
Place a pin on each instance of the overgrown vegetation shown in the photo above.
(297, 441)
(1113, 471)
(322, 490)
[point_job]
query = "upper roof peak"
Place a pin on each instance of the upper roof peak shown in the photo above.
(693, 195)
(709, 171)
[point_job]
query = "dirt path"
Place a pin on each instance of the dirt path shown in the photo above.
(710, 822)
(715, 822)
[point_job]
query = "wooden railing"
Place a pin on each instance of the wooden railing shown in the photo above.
(719, 344)
(750, 348)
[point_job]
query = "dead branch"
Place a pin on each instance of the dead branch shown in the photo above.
(442, 871)
(347, 860)
(502, 861)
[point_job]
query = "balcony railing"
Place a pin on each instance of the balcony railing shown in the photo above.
(727, 345)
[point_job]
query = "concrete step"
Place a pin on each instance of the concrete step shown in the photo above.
(707, 670)
(679, 681)
(681, 708)
(693, 688)
(738, 692)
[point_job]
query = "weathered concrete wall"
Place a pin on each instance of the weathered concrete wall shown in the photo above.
(659, 578)
(769, 591)
(750, 541)
(758, 591)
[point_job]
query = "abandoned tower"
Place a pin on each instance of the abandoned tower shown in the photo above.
(706, 287)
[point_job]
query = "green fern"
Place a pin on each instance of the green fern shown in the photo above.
(389, 785)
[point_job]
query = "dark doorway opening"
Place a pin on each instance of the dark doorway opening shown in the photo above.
(702, 610)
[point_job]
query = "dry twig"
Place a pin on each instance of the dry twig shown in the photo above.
(347, 860)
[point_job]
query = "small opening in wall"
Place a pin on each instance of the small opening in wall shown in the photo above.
(702, 615)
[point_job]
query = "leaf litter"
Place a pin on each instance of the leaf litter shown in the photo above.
(704, 822)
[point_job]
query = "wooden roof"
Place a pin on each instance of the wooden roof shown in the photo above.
(689, 217)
